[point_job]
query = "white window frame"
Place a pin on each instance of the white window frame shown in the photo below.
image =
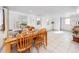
(67, 21)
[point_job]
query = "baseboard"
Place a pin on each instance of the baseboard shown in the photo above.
(66, 30)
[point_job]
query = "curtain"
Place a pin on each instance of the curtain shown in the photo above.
(1, 19)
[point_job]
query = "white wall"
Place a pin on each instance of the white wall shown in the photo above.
(73, 20)
(31, 19)
(46, 22)
(15, 16)
(55, 19)
(57, 23)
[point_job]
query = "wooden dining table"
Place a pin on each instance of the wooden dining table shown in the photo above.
(9, 41)
(8, 44)
(13, 40)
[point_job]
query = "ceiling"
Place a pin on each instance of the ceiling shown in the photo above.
(44, 10)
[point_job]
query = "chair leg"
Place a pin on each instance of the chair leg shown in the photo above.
(30, 50)
(37, 47)
(46, 40)
(38, 50)
(8, 48)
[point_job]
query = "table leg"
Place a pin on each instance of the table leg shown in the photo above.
(46, 40)
(7, 48)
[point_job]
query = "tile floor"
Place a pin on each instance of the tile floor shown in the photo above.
(59, 42)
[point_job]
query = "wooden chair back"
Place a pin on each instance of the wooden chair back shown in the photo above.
(24, 43)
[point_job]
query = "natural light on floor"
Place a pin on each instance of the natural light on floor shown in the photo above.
(58, 32)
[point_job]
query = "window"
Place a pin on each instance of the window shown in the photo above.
(67, 21)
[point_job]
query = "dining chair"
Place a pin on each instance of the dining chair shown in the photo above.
(23, 33)
(24, 43)
(45, 35)
(28, 26)
(41, 39)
